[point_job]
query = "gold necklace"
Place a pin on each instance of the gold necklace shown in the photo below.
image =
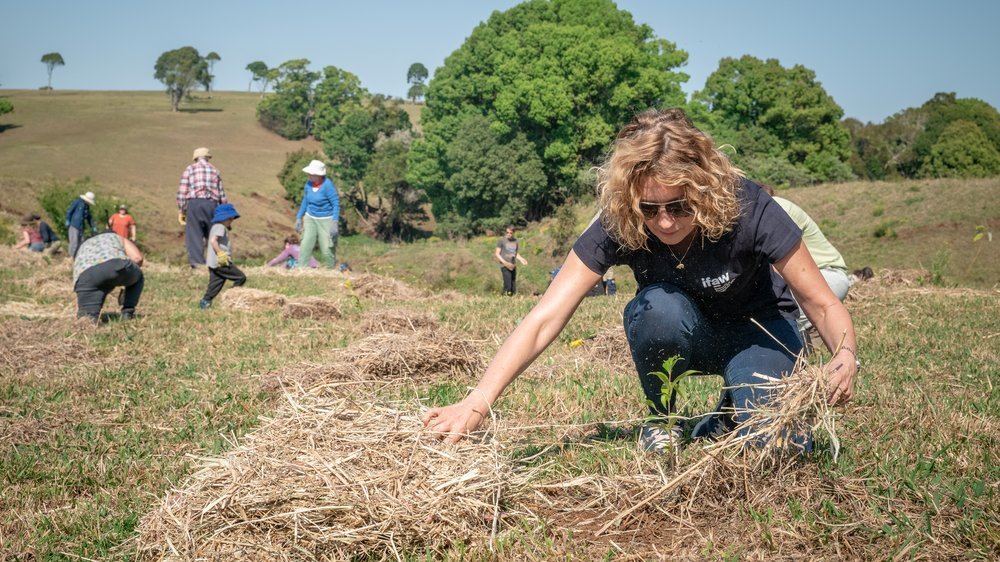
(680, 262)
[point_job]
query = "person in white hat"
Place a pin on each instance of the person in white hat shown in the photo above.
(77, 216)
(318, 216)
(199, 193)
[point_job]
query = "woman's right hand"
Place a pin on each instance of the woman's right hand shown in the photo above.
(455, 422)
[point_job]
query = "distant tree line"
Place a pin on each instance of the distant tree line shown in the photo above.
(182, 70)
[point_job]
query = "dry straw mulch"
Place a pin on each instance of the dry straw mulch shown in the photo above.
(316, 308)
(610, 348)
(376, 287)
(242, 298)
(422, 355)
(39, 347)
(396, 321)
(332, 479)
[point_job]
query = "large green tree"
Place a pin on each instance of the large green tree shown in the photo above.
(258, 73)
(399, 205)
(962, 150)
(556, 78)
(180, 70)
(6, 107)
(289, 111)
(52, 60)
(780, 120)
(941, 112)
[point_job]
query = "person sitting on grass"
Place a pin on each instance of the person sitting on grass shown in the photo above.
(701, 240)
(31, 237)
(219, 255)
(290, 255)
(104, 262)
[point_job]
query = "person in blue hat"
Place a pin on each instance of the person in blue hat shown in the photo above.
(219, 255)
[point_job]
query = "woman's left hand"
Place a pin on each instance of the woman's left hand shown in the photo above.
(841, 371)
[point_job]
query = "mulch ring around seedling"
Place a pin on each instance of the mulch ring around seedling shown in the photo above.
(423, 355)
(242, 298)
(376, 287)
(315, 308)
(334, 479)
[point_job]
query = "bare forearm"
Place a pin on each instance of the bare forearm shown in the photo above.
(836, 328)
(525, 344)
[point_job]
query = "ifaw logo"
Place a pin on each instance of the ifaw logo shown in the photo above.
(720, 283)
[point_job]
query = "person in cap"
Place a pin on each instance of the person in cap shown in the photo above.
(219, 256)
(122, 223)
(31, 238)
(199, 193)
(77, 217)
(318, 216)
(104, 262)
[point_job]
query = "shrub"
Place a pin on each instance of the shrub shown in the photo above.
(57, 197)
(291, 176)
(885, 229)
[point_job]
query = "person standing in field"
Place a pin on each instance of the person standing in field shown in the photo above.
(122, 223)
(318, 216)
(104, 262)
(77, 217)
(829, 261)
(706, 246)
(199, 193)
(507, 254)
(219, 256)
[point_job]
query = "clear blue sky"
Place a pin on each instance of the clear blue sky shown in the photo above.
(874, 57)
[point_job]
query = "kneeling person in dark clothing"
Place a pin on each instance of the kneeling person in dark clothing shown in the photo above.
(219, 256)
(104, 262)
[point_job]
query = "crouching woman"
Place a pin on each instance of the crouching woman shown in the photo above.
(712, 255)
(104, 262)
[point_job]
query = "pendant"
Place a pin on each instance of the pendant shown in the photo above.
(680, 266)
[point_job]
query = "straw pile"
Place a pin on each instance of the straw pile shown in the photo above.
(316, 308)
(376, 287)
(333, 480)
(242, 298)
(396, 321)
(421, 355)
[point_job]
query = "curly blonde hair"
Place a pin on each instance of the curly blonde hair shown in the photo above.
(666, 147)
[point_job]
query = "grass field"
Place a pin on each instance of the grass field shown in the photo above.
(99, 425)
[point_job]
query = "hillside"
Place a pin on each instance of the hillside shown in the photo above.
(135, 148)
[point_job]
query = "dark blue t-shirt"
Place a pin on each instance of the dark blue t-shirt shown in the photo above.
(730, 278)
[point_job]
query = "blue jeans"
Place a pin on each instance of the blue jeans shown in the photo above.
(663, 321)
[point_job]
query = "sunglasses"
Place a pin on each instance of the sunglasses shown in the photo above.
(675, 208)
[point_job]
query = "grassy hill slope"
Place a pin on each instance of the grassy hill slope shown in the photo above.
(135, 148)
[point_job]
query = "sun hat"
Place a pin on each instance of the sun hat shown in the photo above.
(88, 197)
(27, 219)
(315, 168)
(201, 152)
(123, 206)
(225, 211)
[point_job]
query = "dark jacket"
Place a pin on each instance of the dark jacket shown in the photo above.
(78, 214)
(48, 235)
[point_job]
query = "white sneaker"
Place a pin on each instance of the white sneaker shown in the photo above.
(657, 438)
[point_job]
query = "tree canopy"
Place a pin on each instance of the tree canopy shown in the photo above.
(780, 120)
(258, 73)
(180, 70)
(52, 60)
(211, 58)
(289, 111)
(415, 77)
(6, 107)
(554, 78)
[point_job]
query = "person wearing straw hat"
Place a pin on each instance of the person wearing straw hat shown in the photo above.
(122, 223)
(77, 217)
(219, 256)
(200, 191)
(716, 262)
(318, 216)
(104, 262)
